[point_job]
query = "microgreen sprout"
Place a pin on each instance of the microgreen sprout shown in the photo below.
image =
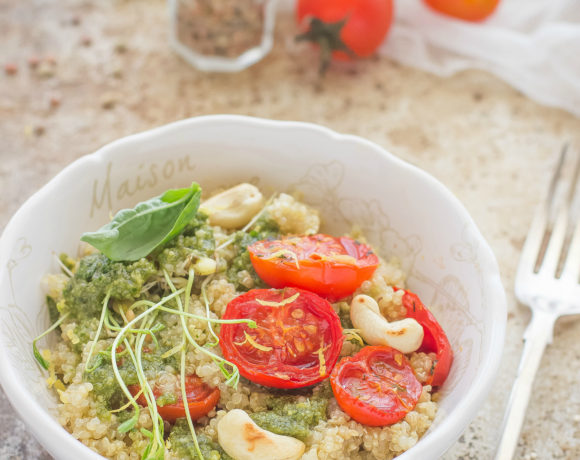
(184, 333)
(129, 424)
(96, 364)
(172, 351)
(99, 328)
(43, 362)
(186, 402)
(206, 303)
(158, 427)
(128, 327)
(62, 266)
(151, 331)
(250, 322)
(233, 376)
(155, 445)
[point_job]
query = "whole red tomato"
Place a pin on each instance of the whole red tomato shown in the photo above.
(344, 28)
(469, 10)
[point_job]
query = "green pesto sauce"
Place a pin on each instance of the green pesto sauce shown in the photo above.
(290, 417)
(96, 275)
(182, 444)
(84, 330)
(86, 290)
(197, 240)
(106, 389)
(166, 399)
(264, 228)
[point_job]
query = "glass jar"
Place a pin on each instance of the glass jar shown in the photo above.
(222, 35)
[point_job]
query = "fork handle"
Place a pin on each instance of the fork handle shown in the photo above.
(538, 334)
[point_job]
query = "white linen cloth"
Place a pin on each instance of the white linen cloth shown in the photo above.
(534, 45)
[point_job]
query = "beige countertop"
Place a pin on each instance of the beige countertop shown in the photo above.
(106, 71)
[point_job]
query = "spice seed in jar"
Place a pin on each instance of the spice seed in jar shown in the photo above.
(224, 28)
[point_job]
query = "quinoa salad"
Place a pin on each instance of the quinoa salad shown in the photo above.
(230, 328)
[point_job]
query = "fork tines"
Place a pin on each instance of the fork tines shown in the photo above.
(552, 248)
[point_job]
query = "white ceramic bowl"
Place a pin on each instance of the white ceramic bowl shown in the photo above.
(402, 210)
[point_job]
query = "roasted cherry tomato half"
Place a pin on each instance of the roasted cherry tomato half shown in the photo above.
(331, 267)
(434, 339)
(296, 342)
(376, 386)
(469, 10)
(201, 398)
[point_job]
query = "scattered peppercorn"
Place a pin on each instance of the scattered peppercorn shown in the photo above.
(86, 40)
(117, 72)
(120, 48)
(108, 101)
(11, 69)
(33, 62)
(54, 102)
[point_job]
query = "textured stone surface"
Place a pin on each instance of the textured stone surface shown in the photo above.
(490, 145)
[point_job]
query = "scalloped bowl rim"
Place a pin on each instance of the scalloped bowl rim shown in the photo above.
(46, 429)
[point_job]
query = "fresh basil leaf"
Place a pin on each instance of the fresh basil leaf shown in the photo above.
(135, 233)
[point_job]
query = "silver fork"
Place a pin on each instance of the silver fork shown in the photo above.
(547, 281)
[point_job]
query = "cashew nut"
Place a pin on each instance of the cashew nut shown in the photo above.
(234, 207)
(242, 439)
(404, 335)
